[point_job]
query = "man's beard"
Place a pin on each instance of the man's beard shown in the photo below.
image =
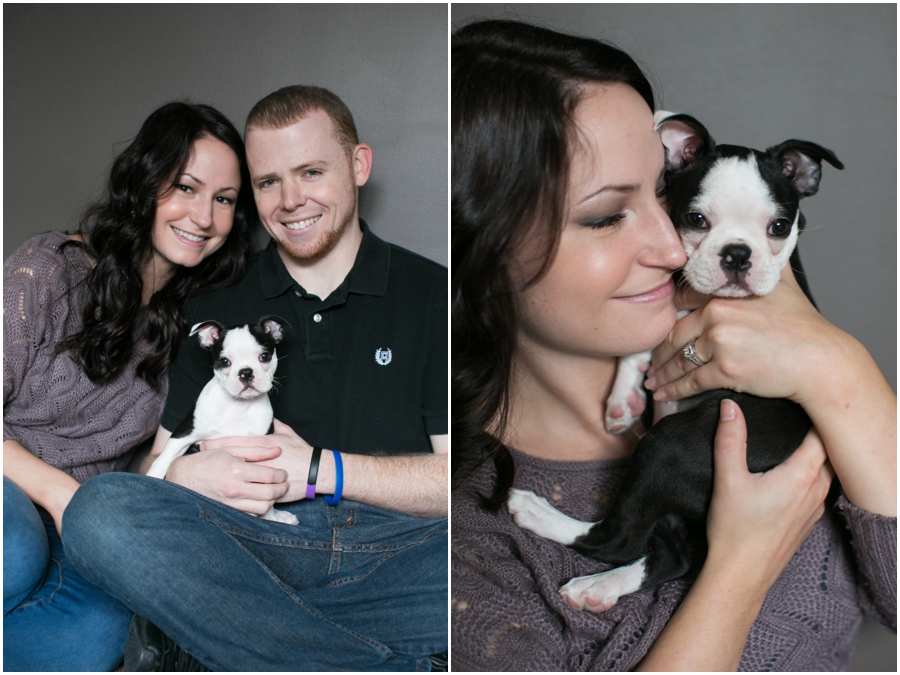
(319, 248)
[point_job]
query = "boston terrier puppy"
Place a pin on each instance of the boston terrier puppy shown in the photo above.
(737, 212)
(235, 402)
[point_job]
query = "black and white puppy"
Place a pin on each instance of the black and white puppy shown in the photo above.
(737, 212)
(235, 402)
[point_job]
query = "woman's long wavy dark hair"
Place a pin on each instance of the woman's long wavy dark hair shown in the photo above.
(116, 232)
(515, 88)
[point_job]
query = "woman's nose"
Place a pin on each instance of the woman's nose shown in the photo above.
(665, 248)
(202, 214)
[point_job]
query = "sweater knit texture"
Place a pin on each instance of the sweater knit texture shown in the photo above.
(50, 405)
(507, 615)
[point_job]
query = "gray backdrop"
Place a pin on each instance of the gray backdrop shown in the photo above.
(757, 75)
(79, 80)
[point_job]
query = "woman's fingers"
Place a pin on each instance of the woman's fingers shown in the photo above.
(730, 445)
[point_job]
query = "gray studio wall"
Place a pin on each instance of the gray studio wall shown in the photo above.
(757, 75)
(80, 79)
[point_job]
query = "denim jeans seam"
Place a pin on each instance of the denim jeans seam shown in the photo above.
(382, 649)
(338, 583)
(42, 601)
(336, 553)
(300, 543)
(274, 540)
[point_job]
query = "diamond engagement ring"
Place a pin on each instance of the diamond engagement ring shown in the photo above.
(691, 354)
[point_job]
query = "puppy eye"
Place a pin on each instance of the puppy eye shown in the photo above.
(696, 220)
(780, 227)
(224, 363)
(265, 357)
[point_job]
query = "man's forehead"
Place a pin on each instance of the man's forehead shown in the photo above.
(305, 140)
(316, 124)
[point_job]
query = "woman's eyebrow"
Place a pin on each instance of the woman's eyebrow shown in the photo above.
(624, 187)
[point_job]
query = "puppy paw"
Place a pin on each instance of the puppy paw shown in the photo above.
(599, 592)
(537, 515)
(622, 415)
(627, 399)
(282, 517)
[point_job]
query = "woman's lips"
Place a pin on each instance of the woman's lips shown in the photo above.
(189, 238)
(658, 293)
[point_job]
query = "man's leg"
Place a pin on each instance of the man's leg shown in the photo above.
(390, 580)
(230, 588)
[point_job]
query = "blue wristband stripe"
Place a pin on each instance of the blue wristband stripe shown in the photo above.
(338, 480)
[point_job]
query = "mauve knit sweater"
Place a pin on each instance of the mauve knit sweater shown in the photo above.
(49, 404)
(506, 614)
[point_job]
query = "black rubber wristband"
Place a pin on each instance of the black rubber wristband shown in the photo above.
(313, 473)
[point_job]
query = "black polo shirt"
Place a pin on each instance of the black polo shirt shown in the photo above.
(362, 371)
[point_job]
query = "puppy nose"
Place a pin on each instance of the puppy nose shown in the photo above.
(736, 258)
(245, 374)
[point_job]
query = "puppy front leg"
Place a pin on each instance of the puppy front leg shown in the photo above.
(175, 447)
(627, 400)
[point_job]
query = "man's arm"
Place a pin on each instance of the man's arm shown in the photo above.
(413, 484)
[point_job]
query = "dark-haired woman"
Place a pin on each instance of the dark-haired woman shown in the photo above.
(562, 258)
(91, 322)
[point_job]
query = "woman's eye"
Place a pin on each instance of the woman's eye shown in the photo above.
(183, 188)
(780, 228)
(225, 200)
(696, 220)
(605, 222)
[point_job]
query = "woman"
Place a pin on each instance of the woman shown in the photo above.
(561, 262)
(91, 323)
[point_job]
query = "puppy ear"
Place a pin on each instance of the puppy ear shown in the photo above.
(684, 138)
(209, 332)
(801, 161)
(274, 326)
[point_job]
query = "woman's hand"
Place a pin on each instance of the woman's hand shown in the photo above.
(779, 346)
(770, 346)
(757, 521)
(45, 485)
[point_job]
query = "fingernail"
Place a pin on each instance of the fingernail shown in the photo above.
(727, 410)
(661, 395)
(650, 383)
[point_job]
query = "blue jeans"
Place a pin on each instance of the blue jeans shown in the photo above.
(352, 587)
(53, 620)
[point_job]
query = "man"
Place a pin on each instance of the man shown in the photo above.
(360, 585)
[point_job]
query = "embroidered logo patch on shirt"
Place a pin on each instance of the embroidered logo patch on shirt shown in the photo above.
(382, 356)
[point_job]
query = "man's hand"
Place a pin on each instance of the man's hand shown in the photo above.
(292, 459)
(233, 476)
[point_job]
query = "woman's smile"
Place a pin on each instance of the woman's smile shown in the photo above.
(659, 293)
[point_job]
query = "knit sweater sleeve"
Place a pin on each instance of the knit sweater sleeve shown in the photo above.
(31, 282)
(874, 541)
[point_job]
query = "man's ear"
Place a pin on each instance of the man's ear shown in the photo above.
(362, 163)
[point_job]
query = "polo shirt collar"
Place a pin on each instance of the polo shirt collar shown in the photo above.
(368, 276)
